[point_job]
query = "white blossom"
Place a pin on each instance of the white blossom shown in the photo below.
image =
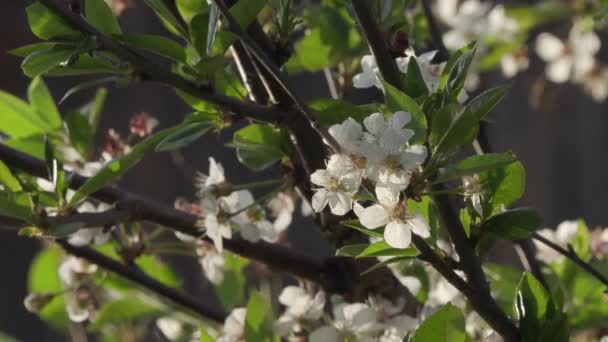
(513, 63)
(234, 326)
(301, 306)
(71, 272)
(212, 262)
(354, 320)
(338, 183)
(562, 235)
(570, 60)
(431, 72)
(86, 236)
(281, 208)
(392, 213)
(370, 74)
(595, 83)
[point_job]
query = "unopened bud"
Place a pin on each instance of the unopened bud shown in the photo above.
(35, 302)
(142, 124)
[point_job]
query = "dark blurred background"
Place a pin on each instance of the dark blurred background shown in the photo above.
(561, 142)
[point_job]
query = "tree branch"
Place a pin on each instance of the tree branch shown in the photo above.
(321, 271)
(443, 54)
(151, 71)
(386, 64)
(137, 276)
(571, 254)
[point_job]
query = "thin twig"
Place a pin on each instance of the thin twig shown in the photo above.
(153, 72)
(331, 83)
(139, 277)
(274, 71)
(571, 254)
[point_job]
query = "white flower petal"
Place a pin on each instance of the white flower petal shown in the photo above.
(320, 178)
(387, 196)
(397, 234)
(325, 334)
(560, 70)
(375, 123)
(320, 199)
(400, 119)
(549, 47)
(419, 225)
(374, 216)
(340, 204)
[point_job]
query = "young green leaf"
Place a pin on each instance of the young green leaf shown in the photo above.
(259, 320)
(8, 180)
(184, 136)
(445, 325)
(396, 100)
(16, 205)
(167, 17)
(25, 50)
(43, 104)
(386, 263)
(476, 164)
(531, 304)
(503, 186)
(232, 290)
(46, 25)
(100, 15)
(19, 119)
(41, 62)
(515, 224)
(412, 80)
(333, 111)
(124, 310)
(258, 146)
(351, 250)
(43, 278)
(381, 248)
(355, 224)
(159, 45)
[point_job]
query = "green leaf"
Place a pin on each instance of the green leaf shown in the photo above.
(503, 186)
(455, 71)
(445, 325)
(386, 263)
(41, 62)
(167, 17)
(159, 45)
(43, 104)
(85, 65)
(503, 282)
(8, 180)
(259, 320)
(355, 224)
(351, 250)
(515, 224)
(581, 241)
(15, 205)
(258, 146)
(19, 119)
(539, 318)
(455, 126)
(332, 38)
(189, 8)
(124, 310)
(25, 50)
(46, 25)
(199, 28)
(245, 12)
(117, 167)
(56, 174)
(32, 145)
(43, 278)
(184, 136)
(205, 337)
(381, 248)
(232, 289)
(214, 17)
(396, 100)
(333, 111)
(476, 164)
(100, 15)
(413, 82)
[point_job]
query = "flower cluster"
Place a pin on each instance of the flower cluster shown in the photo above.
(381, 155)
(574, 59)
(473, 20)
